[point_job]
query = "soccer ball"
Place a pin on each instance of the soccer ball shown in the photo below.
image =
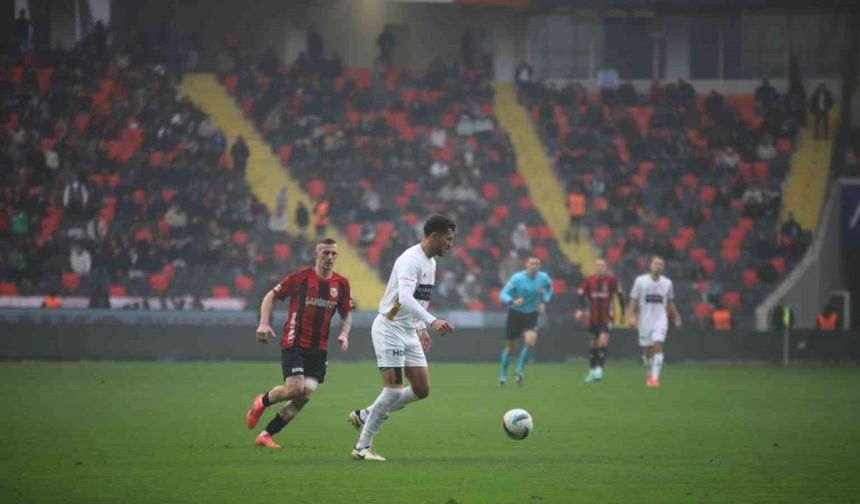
(517, 424)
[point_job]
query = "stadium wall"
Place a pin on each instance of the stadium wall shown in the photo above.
(178, 336)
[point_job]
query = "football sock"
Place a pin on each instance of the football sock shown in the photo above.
(407, 395)
(524, 357)
(378, 415)
(506, 361)
(266, 401)
(275, 425)
(592, 358)
(601, 357)
(657, 365)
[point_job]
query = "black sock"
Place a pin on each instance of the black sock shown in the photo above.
(592, 358)
(276, 425)
(266, 401)
(601, 356)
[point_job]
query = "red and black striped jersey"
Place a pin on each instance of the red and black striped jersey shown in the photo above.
(598, 291)
(313, 301)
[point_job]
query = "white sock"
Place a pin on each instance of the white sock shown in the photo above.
(598, 370)
(378, 414)
(656, 365)
(407, 395)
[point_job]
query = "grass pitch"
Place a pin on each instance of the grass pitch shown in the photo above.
(148, 432)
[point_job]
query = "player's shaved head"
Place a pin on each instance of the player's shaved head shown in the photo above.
(325, 254)
(600, 266)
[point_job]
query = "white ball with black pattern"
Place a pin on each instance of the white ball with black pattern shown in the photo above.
(518, 424)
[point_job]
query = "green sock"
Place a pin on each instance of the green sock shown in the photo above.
(524, 357)
(506, 361)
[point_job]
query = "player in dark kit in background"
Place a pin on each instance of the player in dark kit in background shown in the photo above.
(596, 296)
(315, 293)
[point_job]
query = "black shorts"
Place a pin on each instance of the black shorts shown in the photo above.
(595, 329)
(519, 322)
(298, 361)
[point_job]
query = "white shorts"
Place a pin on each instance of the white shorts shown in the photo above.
(647, 336)
(396, 346)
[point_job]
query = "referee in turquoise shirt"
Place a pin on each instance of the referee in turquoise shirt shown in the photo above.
(526, 293)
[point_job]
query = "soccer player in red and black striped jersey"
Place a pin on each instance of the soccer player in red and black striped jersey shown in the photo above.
(596, 296)
(315, 294)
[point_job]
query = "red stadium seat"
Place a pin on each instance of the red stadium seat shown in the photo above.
(316, 189)
(502, 212)
(240, 238)
(640, 180)
(494, 297)
(282, 251)
(158, 282)
(169, 271)
(746, 223)
(761, 169)
(600, 204)
(707, 194)
(117, 291)
(516, 180)
(285, 152)
(244, 283)
(731, 255)
(697, 254)
(663, 224)
(690, 181)
(687, 233)
(401, 201)
(475, 306)
(679, 244)
(8, 289)
(702, 286)
(559, 286)
(784, 147)
(702, 311)
(545, 233)
(411, 188)
(230, 83)
(353, 230)
(490, 191)
(601, 234)
(526, 203)
(637, 231)
(709, 265)
(746, 170)
(749, 278)
(473, 242)
(541, 253)
(220, 292)
(71, 281)
(736, 204)
(731, 299)
(533, 232)
(373, 255)
(613, 255)
(778, 264)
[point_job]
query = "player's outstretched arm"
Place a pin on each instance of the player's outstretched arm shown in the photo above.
(264, 330)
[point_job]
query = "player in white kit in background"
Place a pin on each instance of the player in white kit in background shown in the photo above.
(400, 335)
(651, 299)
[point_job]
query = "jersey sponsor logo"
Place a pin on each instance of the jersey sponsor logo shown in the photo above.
(398, 352)
(654, 298)
(423, 292)
(322, 303)
(297, 370)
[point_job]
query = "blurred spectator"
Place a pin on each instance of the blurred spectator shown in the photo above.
(520, 239)
(366, 235)
(240, 154)
(820, 104)
(75, 198)
(721, 319)
(828, 319)
(314, 44)
(52, 301)
(790, 228)
(576, 210)
(766, 95)
(524, 75)
(386, 41)
(766, 150)
(175, 217)
(302, 218)
(278, 221)
(469, 290)
(80, 260)
(509, 265)
(22, 30)
(321, 217)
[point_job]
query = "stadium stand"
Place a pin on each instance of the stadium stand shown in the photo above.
(115, 187)
(694, 178)
(383, 149)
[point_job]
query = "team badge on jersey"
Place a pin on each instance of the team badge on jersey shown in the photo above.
(333, 292)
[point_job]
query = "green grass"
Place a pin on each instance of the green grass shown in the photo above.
(147, 432)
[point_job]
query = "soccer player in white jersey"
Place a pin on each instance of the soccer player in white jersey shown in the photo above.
(400, 335)
(651, 300)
